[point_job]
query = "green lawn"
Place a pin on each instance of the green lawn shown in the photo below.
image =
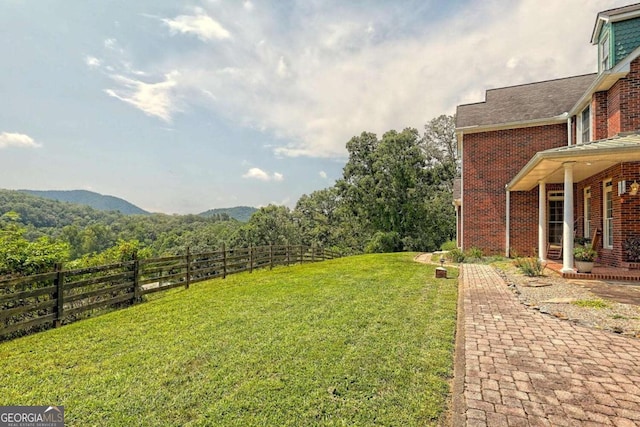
(365, 340)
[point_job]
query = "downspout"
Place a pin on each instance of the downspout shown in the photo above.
(569, 139)
(508, 220)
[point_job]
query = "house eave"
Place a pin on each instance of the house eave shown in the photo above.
(562, 118)
(605, 81)
(589, 158)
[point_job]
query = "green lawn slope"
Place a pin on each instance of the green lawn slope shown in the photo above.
(365, 340)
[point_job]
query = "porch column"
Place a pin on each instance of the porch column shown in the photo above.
(542, 220)
(567, 226)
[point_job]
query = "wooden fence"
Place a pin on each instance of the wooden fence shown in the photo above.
(34, 303)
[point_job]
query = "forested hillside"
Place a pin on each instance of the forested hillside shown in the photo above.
(395, 194)
(89, 198)
(241, 213)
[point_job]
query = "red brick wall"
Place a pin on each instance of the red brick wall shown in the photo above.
(490, 161)
(626, 209)
(613, 110)
(630, 99)
(600, 116)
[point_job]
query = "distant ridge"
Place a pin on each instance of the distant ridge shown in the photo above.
(89, 198)
(241, 213)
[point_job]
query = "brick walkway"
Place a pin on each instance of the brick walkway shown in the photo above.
(522, 368)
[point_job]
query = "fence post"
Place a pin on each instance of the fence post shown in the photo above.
(250, 258)
(288, 254)
(59, 282)
(270, 256)
(136, 279)
(224, 261)
(188, 272)
(313, 253)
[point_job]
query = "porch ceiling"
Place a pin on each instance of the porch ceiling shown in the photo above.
(590, 159)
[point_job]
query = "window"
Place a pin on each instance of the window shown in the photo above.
(587, 212)
(584, 125)
(607, 210)
(604, 53)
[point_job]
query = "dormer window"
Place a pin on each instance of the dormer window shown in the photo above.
(584, 126)
(604, 53)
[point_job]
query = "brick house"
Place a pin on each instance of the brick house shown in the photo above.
(546, 162)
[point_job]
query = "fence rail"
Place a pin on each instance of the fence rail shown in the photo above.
(34, 303)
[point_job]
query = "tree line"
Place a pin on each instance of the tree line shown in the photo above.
(395, 194)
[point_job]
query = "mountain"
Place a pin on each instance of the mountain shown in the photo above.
(241, 213)
(89, 198)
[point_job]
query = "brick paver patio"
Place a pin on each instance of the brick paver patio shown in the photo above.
(522, 368)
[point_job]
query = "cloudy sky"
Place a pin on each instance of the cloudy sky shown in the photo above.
(183, 106)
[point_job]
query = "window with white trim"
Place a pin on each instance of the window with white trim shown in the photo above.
(607, 217)
(604, 53)
(587, 212)
(584, 126)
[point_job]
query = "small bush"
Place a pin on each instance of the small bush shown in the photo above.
(382, 242)
(530, 266)
(456, 255)
(473, 252)
(449, 245)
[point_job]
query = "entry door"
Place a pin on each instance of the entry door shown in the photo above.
(556, 215)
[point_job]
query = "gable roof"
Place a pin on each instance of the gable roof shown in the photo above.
(612, 15)
(524, 103)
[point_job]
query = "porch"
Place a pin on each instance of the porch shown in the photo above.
(599, 272)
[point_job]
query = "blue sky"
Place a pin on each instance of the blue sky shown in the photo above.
(180, 107)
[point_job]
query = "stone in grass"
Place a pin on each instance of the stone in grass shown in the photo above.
(537, 284)
(560, 300)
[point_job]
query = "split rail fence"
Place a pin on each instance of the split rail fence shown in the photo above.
(33, 303)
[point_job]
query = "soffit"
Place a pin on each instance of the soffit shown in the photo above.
(589, 159)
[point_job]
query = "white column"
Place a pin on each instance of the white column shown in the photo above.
(542, 220)
(567, 226)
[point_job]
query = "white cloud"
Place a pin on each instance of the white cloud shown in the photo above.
(247, 5)
(92, 61)
(259, 174)
(323, 174)
(201, 25)
(8, 139)
(154, 99)
(347, 70)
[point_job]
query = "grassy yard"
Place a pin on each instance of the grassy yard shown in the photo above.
(365, 340)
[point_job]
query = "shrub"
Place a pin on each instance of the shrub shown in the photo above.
(383, 242)
(449, 245)
(473, 252)
(530, 266)
(456, 255)
(631, 247)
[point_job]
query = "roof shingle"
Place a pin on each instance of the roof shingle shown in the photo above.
(526, 102)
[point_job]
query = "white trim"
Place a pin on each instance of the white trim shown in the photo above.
(605, 230)
(586, 224)
(579, 125)
(542, 220)
(567, 224)
(508, 221)
(514, 125)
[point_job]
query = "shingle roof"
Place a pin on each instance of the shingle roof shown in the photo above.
(526, 102)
